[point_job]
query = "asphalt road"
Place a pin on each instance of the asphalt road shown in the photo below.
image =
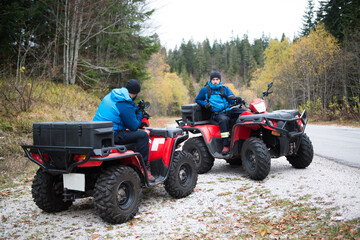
(340, 144)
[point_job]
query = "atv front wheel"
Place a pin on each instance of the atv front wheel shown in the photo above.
(117, 194)
(255, 158)
(304, 155)
(203, 159)
(47, 192)
(183, 176)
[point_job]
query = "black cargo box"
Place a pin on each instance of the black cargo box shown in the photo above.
(92, 134)
(195, 114)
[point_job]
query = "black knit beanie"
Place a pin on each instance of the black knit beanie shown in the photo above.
(133, 86)
(215, 75)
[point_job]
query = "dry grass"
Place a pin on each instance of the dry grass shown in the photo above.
(162, 122)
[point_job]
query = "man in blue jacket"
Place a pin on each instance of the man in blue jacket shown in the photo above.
(118, 106)
(214, 96)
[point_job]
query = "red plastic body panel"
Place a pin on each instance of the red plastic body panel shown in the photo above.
(208, 131)
(125, 160)
(161, 147)
(241, 132)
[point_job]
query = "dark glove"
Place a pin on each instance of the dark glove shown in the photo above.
(145, 115)
(208, 106)
(239, 100)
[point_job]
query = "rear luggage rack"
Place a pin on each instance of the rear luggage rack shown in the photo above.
(58, 159)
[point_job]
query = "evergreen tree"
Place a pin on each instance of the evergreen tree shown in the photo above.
(235, 60)
(258, 52)
(24, 23)
(89, 40)
(308, 19)
(218, 57)
(341, 17)
(245, 58)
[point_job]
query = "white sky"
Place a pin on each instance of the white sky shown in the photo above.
(214, 19)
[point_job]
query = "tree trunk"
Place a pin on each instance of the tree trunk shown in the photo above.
(66, 43)
(78, 25)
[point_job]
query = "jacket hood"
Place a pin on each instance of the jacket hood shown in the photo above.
(120, 95)
(214, 87)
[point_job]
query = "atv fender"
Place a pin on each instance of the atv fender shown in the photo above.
(211, 136)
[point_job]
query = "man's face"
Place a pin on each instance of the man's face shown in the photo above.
(215, 81)
(133, 96)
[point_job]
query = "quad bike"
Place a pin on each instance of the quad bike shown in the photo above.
(78, 159)
(256, 137)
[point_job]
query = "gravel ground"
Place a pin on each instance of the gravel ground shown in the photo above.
(225, 204)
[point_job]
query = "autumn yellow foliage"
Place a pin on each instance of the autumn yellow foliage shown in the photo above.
(165, 91)
(300, 70)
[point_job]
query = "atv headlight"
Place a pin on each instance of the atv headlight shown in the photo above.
(260, 107)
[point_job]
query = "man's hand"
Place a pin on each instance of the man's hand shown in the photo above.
(145, 115)
(208, 106)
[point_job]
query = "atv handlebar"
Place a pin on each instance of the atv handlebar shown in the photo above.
(238, 101)
(142, 105)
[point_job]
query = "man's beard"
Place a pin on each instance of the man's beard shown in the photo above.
(134, 98)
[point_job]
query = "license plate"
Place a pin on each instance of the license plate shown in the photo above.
(74, 181)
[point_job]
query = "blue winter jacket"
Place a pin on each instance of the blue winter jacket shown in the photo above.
(219, 103)
(118, 107)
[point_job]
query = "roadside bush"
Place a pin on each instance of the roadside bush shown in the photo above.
(338, 110)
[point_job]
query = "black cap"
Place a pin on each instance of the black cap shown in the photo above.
(215, 75)
(133, 86)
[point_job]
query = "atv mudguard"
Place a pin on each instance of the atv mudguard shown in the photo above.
(163, 143)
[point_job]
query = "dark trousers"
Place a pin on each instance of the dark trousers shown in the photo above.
(225, 120)
(139, 138)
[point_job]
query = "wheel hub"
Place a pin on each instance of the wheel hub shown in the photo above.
(125, 195)
(251, 159)
(184, 174)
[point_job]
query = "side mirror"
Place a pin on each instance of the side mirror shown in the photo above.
(270, 85)
(147, 104)
(143, 105)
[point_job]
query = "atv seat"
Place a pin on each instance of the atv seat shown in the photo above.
(165, 132)
(279, 115)
(285, 119)
(194, 114)
(283, 114)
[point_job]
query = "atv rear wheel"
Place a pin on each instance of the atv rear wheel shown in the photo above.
(47, 192)
(304, 155)
(183, 176)
(117, 194)
(255, 158)
(203, 159)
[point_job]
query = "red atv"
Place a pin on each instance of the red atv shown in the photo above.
(256, 136)
(79, 159)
